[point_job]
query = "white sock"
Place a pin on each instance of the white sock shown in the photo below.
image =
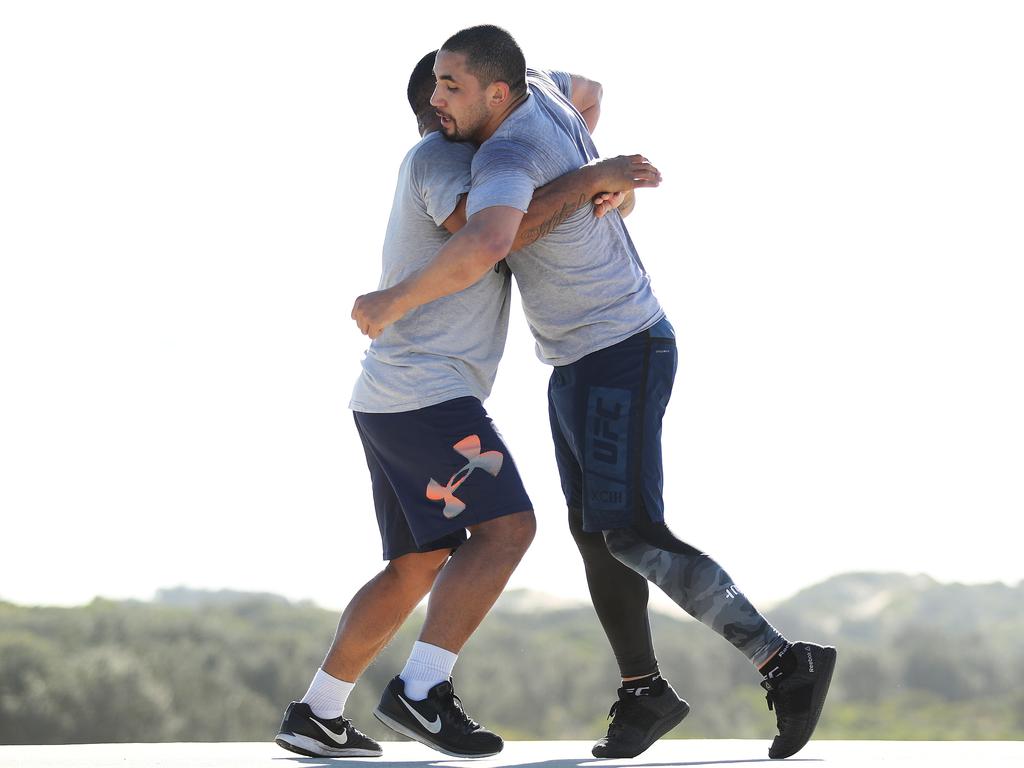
(327, 695)
(427, 666)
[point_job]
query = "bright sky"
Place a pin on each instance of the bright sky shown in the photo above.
(193, 193)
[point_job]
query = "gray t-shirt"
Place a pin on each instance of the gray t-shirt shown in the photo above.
(450, 347)
(583, 287)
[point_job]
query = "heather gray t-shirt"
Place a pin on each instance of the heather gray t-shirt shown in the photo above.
(450, 347)
(583, 287)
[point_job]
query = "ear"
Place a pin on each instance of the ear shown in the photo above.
(498, 93)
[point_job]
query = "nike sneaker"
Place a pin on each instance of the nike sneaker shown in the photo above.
(797, 683)
(640, 720)
(439, 721)
(307, 734)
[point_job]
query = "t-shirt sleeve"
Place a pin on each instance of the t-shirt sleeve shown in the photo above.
(442, 174)
(563, 80)
(503, 174)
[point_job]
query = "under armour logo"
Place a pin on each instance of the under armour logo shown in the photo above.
(469, 447)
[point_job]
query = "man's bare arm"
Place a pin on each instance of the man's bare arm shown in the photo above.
(586, 97)
(551, 205)
(464, 259)
(556, 201)
(490, 234)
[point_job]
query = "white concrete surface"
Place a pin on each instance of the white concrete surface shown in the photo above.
(543, 754)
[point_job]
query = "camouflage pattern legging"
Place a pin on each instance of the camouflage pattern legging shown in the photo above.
(698, 585)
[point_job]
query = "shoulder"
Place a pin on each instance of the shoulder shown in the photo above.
(434, 148)
(541, 76)
(550, 82)
(504, 148)
(435, 160)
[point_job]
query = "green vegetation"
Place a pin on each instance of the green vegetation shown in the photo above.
(918, 660)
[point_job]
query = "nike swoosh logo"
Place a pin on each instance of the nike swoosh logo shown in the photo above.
(332, 735)
(432, 726)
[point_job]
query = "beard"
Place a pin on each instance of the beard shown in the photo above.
(450, 130)
(469, 127)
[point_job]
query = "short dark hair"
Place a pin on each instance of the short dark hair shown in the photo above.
(421, 85)
(492, 54)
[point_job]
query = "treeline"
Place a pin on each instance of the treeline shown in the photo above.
(918, 660)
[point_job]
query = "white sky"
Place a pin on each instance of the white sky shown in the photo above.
(193, 193)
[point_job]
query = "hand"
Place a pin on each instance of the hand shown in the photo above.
(373, 312)
(606, 201)
(623, 173)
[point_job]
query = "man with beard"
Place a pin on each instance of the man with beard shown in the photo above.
(437, 464)
(589, 304)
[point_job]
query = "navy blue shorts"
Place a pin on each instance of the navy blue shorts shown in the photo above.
(606, 411)
(435, 472)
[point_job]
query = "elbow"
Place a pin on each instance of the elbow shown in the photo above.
(487, 250)
(586, 93)
(592, 96)
(494, 248)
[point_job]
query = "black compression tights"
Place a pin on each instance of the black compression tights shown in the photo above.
(697, 584)
(620, 596)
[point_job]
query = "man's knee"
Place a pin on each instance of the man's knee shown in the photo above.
(619, 541)
(630, 548)
(515, 531)
(645, 535)
(418, 568)
(576, 527)
(590, 545)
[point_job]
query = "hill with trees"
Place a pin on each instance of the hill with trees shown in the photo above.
(917, 660)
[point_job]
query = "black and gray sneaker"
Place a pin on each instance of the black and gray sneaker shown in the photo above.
(439, 721)
(307, 734)
(640, 720)
(797, 683)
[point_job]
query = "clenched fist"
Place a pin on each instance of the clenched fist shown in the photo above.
(373, 312)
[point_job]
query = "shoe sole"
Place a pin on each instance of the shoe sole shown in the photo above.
(817, 700)
(659, 730)
(303, 745)
(400, 728)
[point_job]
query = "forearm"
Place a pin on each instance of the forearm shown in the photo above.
(555, 202)
(463, 260)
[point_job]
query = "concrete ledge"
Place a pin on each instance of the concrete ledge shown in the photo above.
(542, 754)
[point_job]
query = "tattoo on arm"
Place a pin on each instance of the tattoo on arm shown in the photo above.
(533, 234)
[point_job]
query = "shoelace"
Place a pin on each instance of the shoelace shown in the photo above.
(773, 693)
(468, 723)
(348, 725)
(615, 726)
(782, 720)
(616, 710)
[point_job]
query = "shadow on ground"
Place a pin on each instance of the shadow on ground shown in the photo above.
(579, 762)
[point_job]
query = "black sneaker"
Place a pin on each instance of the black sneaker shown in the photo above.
(307, 734)
(639, 721)
(797, 687)
(439, 721)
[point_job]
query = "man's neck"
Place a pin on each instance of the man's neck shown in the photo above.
(428, 122)
(500, 118)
